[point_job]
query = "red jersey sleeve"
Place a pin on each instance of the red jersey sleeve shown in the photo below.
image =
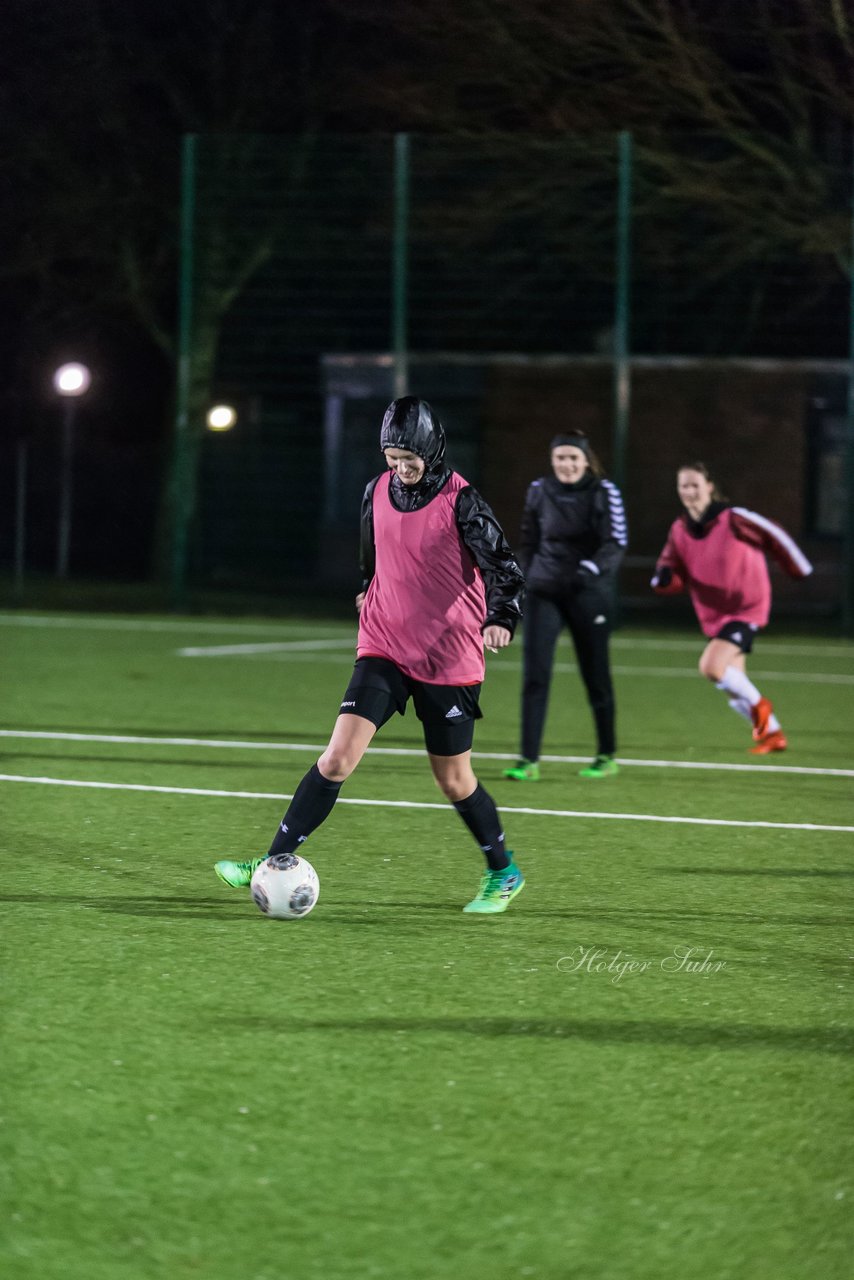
(772, 540)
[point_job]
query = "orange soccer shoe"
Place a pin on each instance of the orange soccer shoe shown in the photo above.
(775, 741)
(761, 715)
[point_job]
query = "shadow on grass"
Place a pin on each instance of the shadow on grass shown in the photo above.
(357, 913)
(147, 761)
(238, 906)
(161, 735)
(214, 909)
(782, 872)
(311, 737)
(639, 916)
(686, 1035)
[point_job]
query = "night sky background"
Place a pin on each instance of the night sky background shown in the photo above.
(742, 115)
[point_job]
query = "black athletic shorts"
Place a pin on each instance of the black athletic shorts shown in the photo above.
(740, 633)
(378, 688)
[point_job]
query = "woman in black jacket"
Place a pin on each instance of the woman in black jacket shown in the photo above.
(573, 539)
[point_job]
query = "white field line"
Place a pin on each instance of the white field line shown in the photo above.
(785, 677)
(310, 651)
(235, 744)
(418, 804)
(272, 646)
(77, 622)
(696, 645)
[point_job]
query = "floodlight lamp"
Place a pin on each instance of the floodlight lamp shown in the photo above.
(221, 417)
(72, 379)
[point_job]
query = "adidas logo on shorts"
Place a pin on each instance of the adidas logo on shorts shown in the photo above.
(453, 713)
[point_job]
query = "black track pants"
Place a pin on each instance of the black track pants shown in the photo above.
(587, 614)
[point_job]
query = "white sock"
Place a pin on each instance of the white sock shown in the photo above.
(736, 684)
(742, 707)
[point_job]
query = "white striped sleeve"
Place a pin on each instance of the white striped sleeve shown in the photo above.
(617, 513)
(774, 540)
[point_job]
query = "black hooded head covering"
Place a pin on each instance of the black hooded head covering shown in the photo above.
(410, 423)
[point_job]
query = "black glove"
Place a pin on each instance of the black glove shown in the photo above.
(662, 577)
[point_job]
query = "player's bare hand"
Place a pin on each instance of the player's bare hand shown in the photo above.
(360, 600)
(495, 638)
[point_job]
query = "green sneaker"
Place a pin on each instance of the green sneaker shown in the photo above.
(524, 771)
(497, 890)
(237, 874)
(602, 767)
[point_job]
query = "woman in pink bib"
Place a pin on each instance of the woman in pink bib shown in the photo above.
(716, 552)
(440, 586)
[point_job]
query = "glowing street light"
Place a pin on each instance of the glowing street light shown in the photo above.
(70, 381)
(221, 417)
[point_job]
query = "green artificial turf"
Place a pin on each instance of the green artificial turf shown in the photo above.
(389, 1087)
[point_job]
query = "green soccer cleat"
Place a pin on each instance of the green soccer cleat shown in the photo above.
(497, 890)
(602, 767)
(524, 771)
(237, 874)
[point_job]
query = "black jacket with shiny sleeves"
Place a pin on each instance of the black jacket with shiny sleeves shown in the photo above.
(481, 533)
(572, 534)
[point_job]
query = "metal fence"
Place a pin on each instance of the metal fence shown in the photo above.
(522, 285)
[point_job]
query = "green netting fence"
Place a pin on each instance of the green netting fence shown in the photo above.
(522, 285)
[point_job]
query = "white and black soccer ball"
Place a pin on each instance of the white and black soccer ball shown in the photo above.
(285, 887)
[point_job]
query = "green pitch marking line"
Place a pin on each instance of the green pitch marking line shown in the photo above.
(238, 745)
(417, 804)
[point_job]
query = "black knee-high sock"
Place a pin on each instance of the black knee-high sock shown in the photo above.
(313, 802)
(480, 815)
(603, 716)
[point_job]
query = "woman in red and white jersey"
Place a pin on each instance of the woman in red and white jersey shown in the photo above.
(716, 552)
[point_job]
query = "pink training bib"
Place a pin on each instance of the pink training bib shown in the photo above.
(426, 605)
(727, 579)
